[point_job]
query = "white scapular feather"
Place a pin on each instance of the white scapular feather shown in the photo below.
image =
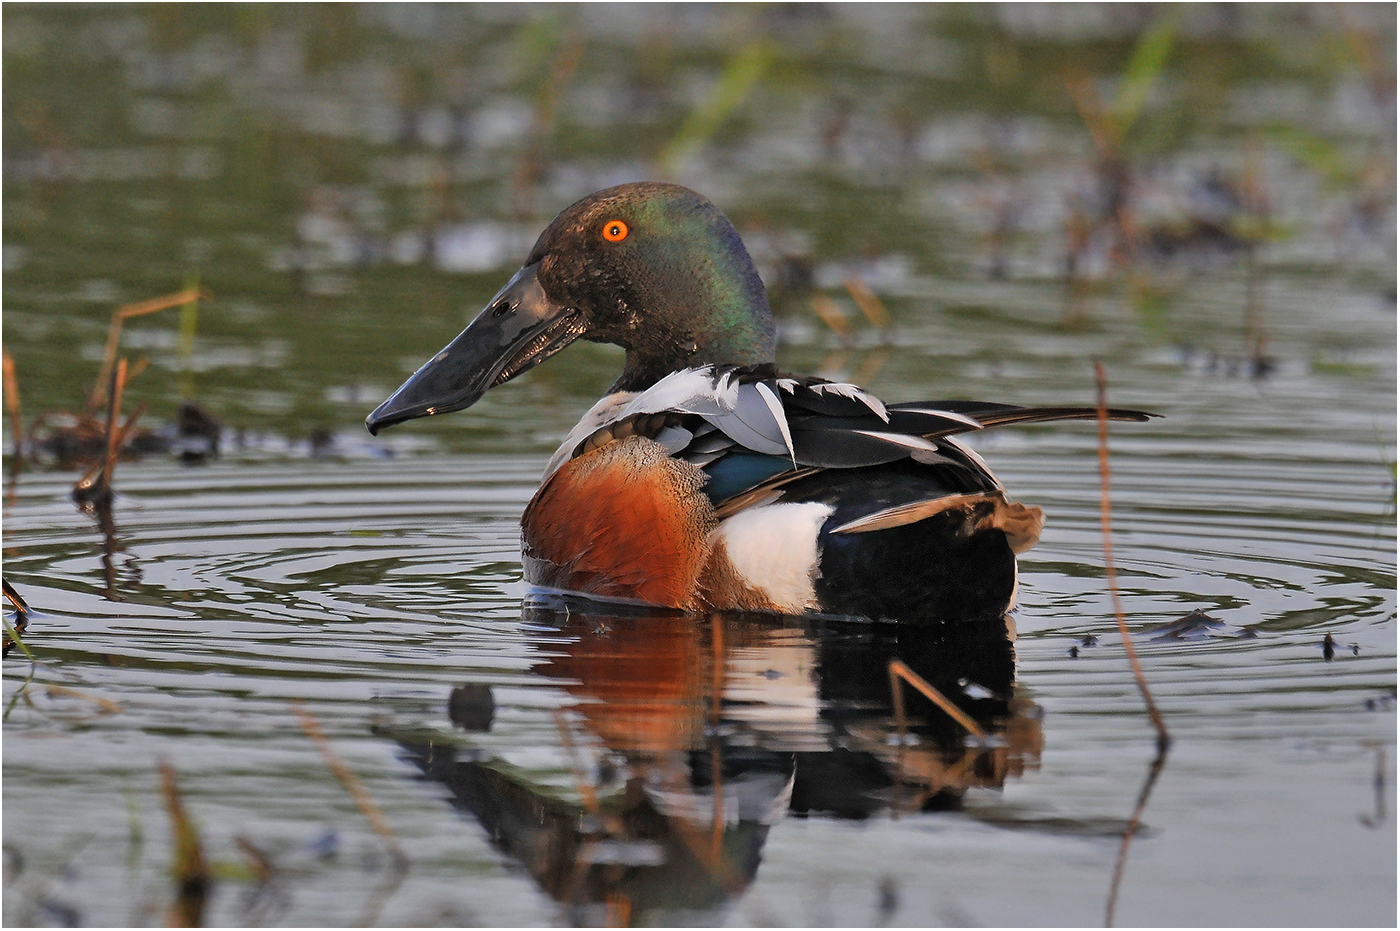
(691, 391)
(775, 407)
(877, 407)
(752, 423)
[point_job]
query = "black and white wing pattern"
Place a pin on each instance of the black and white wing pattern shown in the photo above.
(747, 425)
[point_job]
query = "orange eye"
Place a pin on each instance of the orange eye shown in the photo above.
(615, 231)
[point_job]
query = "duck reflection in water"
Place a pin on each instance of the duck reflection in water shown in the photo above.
(693, 737)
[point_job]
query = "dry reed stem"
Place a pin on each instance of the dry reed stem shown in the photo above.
(191, 873)
(900, 671)
(123, 432)
(114, 332)
(114, 410)
(12, 405)
(897, 699)
(869, 304)
(1094, 113)
(264, 870)
(14, 598)
(1105, 516)
(831, 315)
(870, 366)
(106, 704)
(353, 787)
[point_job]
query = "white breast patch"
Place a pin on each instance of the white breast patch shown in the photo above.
(774, 550)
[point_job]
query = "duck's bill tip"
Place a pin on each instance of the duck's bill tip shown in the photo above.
(410, 403)
(519, 328)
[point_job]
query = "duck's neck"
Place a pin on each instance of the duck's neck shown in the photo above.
(724, 318)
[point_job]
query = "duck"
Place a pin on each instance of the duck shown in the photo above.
(707, 479)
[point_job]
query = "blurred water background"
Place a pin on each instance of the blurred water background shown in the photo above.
(1202, 197)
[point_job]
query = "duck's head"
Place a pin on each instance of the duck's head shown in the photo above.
(653, 268)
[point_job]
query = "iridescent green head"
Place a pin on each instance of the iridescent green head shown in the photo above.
(659, 271)
(653, 268)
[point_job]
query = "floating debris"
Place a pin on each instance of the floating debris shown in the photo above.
(472, 707)
(1193, 626)
(196, 434)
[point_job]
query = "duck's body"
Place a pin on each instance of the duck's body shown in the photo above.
(705, 479)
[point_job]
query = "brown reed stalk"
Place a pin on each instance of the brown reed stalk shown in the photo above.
(353, 787)
(1105, 517)
(831, 315)
(190, 870)
(12, 405)
(95, 487)
(869, 304)
(114, 332)
(114, 410)
(1164, 739)
(84, 487)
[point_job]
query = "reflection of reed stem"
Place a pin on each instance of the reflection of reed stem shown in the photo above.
(585, 788)
(900, 671)
(716, 759)
(897, 699)
(1152, 773)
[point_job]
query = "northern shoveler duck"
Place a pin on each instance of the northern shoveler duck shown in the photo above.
(706, 479)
